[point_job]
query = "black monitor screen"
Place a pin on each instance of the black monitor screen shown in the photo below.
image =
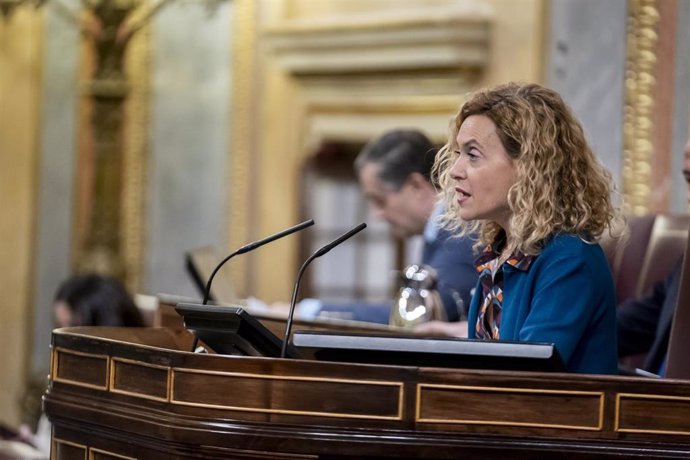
(231, 331)
(429, 352)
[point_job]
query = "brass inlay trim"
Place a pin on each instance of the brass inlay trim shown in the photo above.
(53, 450)
(617, 427)
(93, 450)
(53, 363)
(638, 118)
(111, 382)
(399, 385)
(418, 407)
(56, 371)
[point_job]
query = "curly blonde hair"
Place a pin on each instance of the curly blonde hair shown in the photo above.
(561, 187)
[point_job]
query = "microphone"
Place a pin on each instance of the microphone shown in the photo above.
(251, 247)
(316, 254)
(242, 250)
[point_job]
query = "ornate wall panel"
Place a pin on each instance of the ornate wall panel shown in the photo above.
(639, 111)
(20, 75)
(135, 151)
(241, 215)
(347, 78)
(624, 68)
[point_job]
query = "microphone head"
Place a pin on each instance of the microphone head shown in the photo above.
(340, 239)
(251, 247)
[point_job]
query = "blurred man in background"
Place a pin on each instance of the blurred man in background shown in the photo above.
(394, 173)
(644, 324)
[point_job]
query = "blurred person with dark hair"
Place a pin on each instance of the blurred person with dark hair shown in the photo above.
(81, 300)
(394, 172)
(95, 300)
(644, 323)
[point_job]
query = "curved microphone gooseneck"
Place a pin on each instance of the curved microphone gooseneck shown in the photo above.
(251, 247)
(247, 248)
(316, 254)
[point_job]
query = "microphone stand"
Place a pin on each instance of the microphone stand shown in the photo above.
(318, 253)
(293, 302)
(242, 250)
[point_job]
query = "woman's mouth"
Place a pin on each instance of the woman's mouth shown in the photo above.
(461, 195)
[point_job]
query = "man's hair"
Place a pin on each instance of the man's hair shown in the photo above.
(561, 186)
(399, 153)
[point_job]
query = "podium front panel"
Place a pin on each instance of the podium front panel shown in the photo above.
(138, 393)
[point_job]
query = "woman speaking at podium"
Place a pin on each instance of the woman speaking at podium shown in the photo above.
(518, 172)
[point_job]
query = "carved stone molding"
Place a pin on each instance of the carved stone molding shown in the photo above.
(424, 39)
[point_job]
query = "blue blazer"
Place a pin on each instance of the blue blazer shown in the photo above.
(565, 297)
(644, 324)
(453, 260)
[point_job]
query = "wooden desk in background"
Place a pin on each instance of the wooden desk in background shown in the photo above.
(274, 321)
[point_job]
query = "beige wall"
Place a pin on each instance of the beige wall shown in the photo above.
(518, 42)
(518, 29)
(19, 83)
(515, 53)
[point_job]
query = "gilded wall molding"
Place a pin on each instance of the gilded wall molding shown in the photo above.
(135, 153)
(20, 119)
(456, 39)
(638, 121)
(360, 121)
(113, 144)
(347, 76)
(239, 193)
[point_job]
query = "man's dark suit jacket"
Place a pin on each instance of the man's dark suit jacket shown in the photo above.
(644, 325)
(453, 260)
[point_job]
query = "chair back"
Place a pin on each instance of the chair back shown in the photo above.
(654, 244)
(665, 247)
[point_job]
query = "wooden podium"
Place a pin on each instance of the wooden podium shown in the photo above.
(120, 393)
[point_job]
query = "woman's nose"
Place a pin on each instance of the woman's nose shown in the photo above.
(457, 171)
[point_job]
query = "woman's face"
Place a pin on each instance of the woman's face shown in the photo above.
(63, 314)
(483, 173)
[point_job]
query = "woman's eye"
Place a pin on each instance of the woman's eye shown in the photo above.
(470, 154)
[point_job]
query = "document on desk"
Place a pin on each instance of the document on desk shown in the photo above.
(15, 450)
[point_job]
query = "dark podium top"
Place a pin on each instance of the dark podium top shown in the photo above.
(138, 393)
